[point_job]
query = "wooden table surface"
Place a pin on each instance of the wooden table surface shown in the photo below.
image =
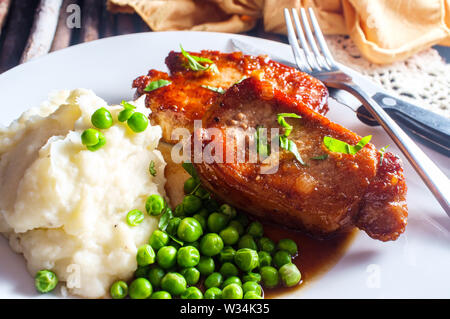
(30, 28)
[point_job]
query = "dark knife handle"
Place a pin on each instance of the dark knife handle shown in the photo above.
(430, 128)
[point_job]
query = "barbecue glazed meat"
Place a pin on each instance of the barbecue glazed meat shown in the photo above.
(323, 197)
(185, 100)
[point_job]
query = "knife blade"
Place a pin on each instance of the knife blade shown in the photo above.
(428, 127)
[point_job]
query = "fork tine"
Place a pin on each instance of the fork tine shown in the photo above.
(319, 60)
(299, 55)
(321, 40)
(313, 63)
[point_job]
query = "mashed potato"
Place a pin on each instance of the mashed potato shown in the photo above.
(63, 206)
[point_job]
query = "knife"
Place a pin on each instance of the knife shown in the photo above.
(428, 127)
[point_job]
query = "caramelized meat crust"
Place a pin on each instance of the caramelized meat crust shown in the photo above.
(186, 99)
(322, 197)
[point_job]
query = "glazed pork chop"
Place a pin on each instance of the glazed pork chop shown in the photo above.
(188, 97)
(331, 192)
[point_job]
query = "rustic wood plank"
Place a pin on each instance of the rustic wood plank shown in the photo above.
(63, 32)
(43, 30)
(90, 20)
(125, 24)
(16, 32)
(108, 22)
(4, 9)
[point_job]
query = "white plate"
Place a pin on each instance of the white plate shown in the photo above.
(417, 265)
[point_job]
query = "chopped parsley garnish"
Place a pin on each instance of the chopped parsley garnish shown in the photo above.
(382, 151)
(262, 147)
(320, 157)
(286, 143)
(290, 146)
(214, 89)
(179, 242)
(156, 85)
(165, 218)
(189, 168)
(127, 105)
(195, 62)
(284, 124)
(151, 168)
(338, 146)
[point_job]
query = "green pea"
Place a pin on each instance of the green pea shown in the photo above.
(189, 229)
(213, 280)
(281, 258)
(161, 295)
(289, 245)
(155, 205)
(269, 276)
(135, 217)
(265, 259)
(206, 265)
(158, 239)
(191, 274)
(188, 256)
(154, 275)
(166, 257)
(246, 259)
(141, 271)
(118, 290)
(201, 220)
(290, 275)
(125, 114)
(230, 235)
(173, 283)
(232, 291)
(102, 118)
(266, 244)
(255, 229)
(172, 226)
(247, 241)
(251, 276)
(227, 254)
(189, 185)
(232, 280)
(236, 224)
(211, 244)
(191, 204)
(202, 193)
(140, 288)
(137, 122)
(192, 293)
(216, 222)
(228, 270)
(100, 144)
(242, 218)
(228, 211)
(145, 255)
(252, 286)
(45, 281)
(213, 293)
(90, 137)
(252, 295)
(179, 211)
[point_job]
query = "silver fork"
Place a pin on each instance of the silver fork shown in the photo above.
(314, 57)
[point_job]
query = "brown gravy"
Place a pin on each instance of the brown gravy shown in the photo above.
(315, 257)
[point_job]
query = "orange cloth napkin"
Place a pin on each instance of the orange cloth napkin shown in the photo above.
(384, 30)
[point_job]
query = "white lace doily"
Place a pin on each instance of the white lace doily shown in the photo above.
(423, 79)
